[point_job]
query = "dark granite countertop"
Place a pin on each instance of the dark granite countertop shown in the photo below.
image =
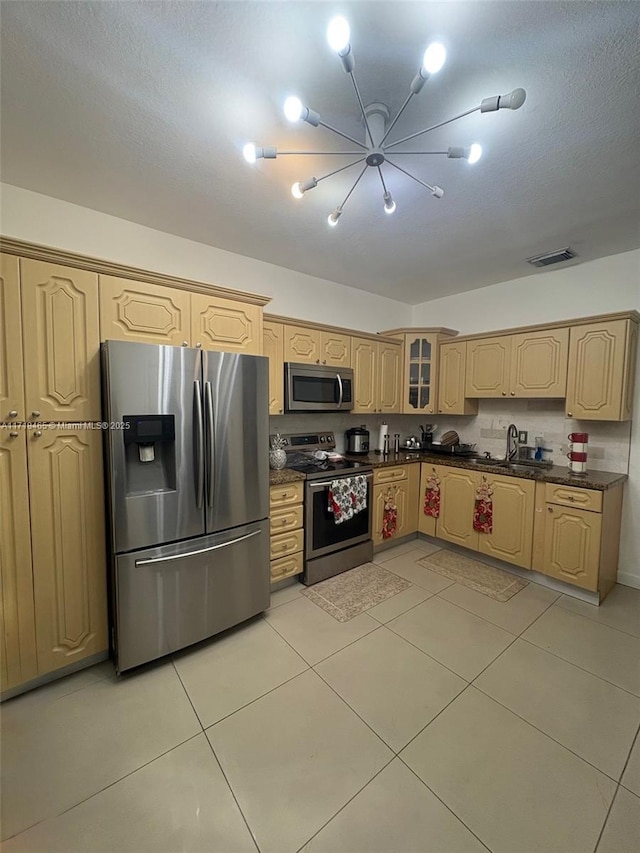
(285, 475)
(599, 480)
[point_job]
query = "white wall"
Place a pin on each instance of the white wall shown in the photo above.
(37, 218)
(597, 287)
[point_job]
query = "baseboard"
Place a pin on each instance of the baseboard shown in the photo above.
(54, 676)
(629, 579)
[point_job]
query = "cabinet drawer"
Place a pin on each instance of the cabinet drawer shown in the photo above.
(390, 475)
(568, 496)
(285, 567)
(281, 496)
(286, 543)
(283, 520)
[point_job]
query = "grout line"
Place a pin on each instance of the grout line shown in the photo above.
(431, 657)
(257, 698)
(457, 817)
(546, 734)
(235, 799)
(597, 621)
(577, 666)
(318, 831)
(606, 819)
(101, 790)
(450, 702)
(635, 741)
(187, 694)
(368, 725)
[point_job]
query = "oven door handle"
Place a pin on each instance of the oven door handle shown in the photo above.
(324, 483)
(339, 378)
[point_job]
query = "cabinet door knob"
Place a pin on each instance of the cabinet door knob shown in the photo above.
(513, 393)
(13, 413)
(504, 393)
(549, 509)
(35, 414)
(280, 410)
(317, 361)
(37, 433)
(198, 345)
(13, 434)
(569, 414)
(324, 361)
(185, 343)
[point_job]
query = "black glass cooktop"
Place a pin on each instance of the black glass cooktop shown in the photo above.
(319, 467)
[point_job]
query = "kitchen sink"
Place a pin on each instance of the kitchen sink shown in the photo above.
(520, 465)
(493, 463)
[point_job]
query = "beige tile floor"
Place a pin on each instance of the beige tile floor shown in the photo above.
(439, 721)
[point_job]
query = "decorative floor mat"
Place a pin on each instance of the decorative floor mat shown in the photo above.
(491, 582)
(351, 593)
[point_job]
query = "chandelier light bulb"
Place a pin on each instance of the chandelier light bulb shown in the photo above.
(332, 219)
(338, 34)
(296, 192)
(389, 203)
(434, 57)
(293, 108)
(249, 152)
(475, 153)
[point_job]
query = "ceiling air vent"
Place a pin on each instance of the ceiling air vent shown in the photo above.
(552, 257)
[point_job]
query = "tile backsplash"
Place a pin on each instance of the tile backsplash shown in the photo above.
(608, 441)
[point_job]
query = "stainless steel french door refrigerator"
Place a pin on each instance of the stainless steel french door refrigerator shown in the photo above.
(188, 479)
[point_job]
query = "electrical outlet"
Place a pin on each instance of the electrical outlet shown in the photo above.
(523, 435)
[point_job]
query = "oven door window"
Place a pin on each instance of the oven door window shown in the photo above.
(315, 389)
(325, 533)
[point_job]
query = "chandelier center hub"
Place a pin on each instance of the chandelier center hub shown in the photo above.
(375, 157)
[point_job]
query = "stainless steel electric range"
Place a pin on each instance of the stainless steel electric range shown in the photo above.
(330, 548)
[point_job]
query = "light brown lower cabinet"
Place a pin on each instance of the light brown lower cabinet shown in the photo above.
(395, 487)
(569, 533)
(512, 536)
(18, 661)
(287, 533)
(457, 501)
(52, 551)
(577, 535)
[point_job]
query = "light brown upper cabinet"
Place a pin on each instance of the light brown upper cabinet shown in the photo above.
(226, 325)
(302, 345)
(452, 358)
(61, 342)
(531, 364)
(364, 357)
(273, 348)
(377, 372)
(11, 367)
(487, 373)
(539, 364)
(147, 313)
(316, 346)
(602, 359)
(18, 662)
(512, 536)
(68, 545)
(335, 349)
(419, 380)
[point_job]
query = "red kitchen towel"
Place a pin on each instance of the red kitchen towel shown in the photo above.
(347, 497)
(432, 496)
(483, 508)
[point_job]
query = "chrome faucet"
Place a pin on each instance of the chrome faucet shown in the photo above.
(512, 442)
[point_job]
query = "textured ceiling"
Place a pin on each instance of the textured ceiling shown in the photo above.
(141, 110)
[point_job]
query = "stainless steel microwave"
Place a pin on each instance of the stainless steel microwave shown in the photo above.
(317, 388)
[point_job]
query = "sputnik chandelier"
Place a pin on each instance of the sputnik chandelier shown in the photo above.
(375, 150)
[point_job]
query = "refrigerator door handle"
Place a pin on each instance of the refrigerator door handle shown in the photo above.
(200, 551)
(208, 402)
(198, 448)
(339, 378)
